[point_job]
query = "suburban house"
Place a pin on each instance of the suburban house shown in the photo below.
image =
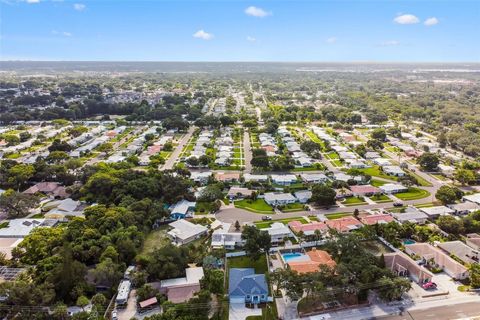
(184, 232)
(364, 190)
(180, 290)
(412, 215)
(182, 209)
(283, 179)
(201, 177)
(393, 171)
(472, 198)
(371, 155)
(229, 240)
(382, 162)
(278, 199)
(314, 177)
(402, 265)
(312, 261)
(247, 287)
(344, 225)
(464, 207)
(473, 241)
(59, 209)
(239, 193)
(460, 250)
(255, 177)
(308, 228)
(428, 253)
(391, 188)
(303, 196)
(278, 232)
(52, 189)
(20, 228)
(227, 176)
(376, 218)
(437, 211)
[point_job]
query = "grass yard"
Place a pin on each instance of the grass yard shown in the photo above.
(315, 167)
(260, 265)
(332, 155)
(376, 172)
(422, 182)
(156, 239)
(313, 218)
(339, 215)
(337, 163)
(353, 201)
(291, 207)
(439, 176)
(258, 206)
(377, 183)
(266, 224)
(413, 194)
(380, 198)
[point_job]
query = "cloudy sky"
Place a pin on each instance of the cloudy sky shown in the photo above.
(229, 30)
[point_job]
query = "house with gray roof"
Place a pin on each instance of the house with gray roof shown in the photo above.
(278, 199)
(411, 214)
(247, 287)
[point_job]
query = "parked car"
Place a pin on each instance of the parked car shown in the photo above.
(266, 218)
(398, 204)
(429, 286)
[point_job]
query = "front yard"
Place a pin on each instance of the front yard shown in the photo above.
(266, 224)
(257, 206)
(353, 201)
(412, 194)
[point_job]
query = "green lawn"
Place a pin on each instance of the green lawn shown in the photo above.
(376, 172)
(332, 155)
(266, 224)
(258, 206)
(377, 183)
(380, 198)
(293, 207)
(156, 239)
(260, 265)
(353, 201)
(315, 167)
(334, 216)
(439, 176)
(413, 194)
(337, 163)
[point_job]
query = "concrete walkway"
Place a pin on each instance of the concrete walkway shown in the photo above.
(238, 311)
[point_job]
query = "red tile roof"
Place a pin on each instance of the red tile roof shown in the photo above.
(376, 218)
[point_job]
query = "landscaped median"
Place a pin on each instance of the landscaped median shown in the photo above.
(257, 206)
(412, 194)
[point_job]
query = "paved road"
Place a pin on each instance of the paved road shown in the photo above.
(247, 152)
(458, 311)
(176, 153)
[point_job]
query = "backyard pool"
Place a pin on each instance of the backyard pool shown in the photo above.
(408, 241)
(296, 256)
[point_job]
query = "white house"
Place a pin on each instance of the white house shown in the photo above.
(284, 179)
(393, 171)
(255, 177)
(390, 188)
(303, 195)
(276, 199)
(184, 232)
(314, 177)
(278, 231)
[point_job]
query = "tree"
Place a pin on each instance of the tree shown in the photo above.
(58, 145)
(448, 195)
(256, 242)
(210, 193)
(146, 292)
(213, 281)
(82, 302)
(390, 289)
(192, 161)
(450, 225)
(259, 158)
(19, 174)
(356, 213)
(465, 176)
(375, 144)
(99, 300)
(310, 147)
(237, 226)
(379, 134)
(17, 204)
(323, 195)
(475, 275)
(428, 161)
(168, 146)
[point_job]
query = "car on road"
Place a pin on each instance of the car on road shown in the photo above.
(398, 204)
(429, 285)
(266, 218)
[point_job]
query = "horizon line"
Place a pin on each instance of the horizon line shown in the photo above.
(249, 61)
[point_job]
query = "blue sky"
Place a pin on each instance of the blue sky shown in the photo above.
(228, 30)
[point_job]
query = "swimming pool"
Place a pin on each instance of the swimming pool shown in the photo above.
(296, 256)
(408, 241)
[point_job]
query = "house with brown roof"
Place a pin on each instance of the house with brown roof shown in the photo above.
(364, 190)
(239, 193)
(316, 258)
(308, 228)
(345, 224)
(227, 176)
(429, 253)
(402, 265)
(460, 250)
(53, 189)
(376, 218)
(180, 290)
(473, 240)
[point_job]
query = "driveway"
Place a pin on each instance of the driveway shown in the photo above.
(238, 311)
(247, 152)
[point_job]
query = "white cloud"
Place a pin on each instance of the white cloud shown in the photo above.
(62, 33)
(406, 19)
(331, 40)
(79, 6)
(257, 12)
(201, 34)
(251, 39)
(431, 22)
(390, 43)
(32, 1)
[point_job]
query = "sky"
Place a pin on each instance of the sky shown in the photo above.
(229, 30)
